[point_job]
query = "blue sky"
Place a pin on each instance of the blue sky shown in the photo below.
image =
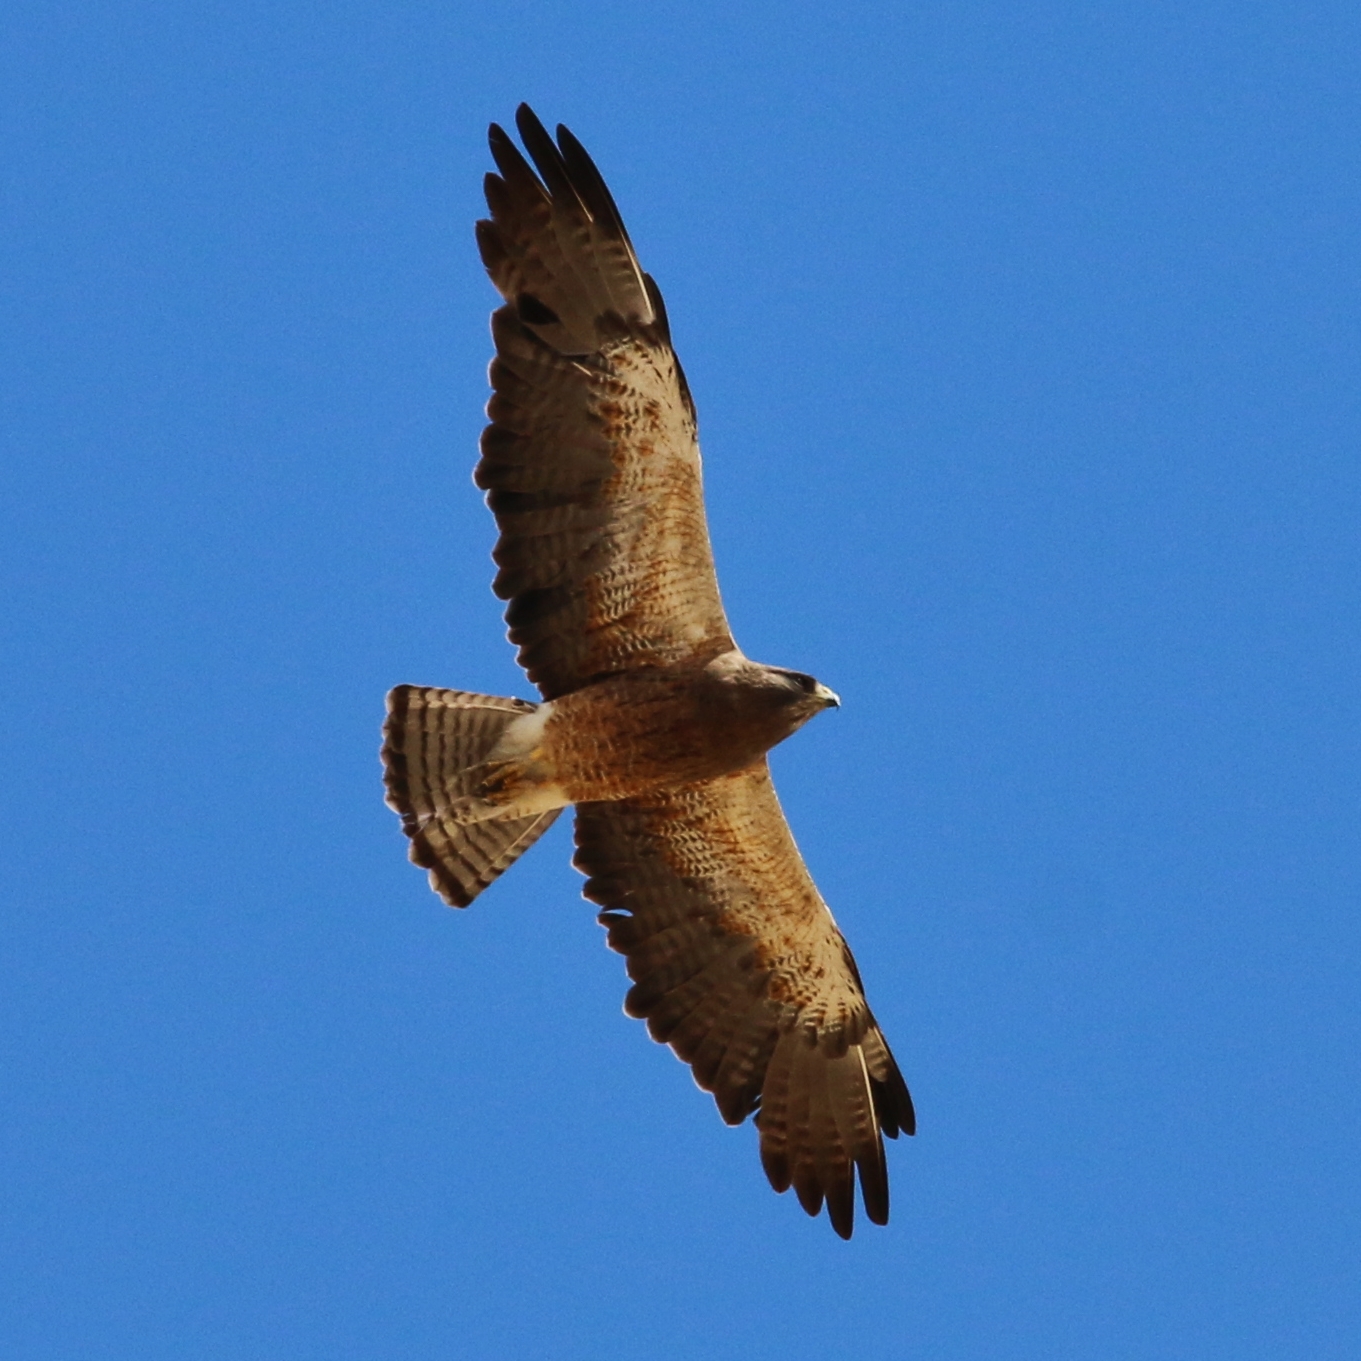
(1025, 345)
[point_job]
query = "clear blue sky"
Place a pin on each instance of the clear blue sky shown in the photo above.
(1025, 343)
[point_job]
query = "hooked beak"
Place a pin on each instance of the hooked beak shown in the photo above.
(830, 699)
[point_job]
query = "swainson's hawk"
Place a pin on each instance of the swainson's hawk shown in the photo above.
(653, 724)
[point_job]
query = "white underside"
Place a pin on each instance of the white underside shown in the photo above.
(522, 735)
(521, 741)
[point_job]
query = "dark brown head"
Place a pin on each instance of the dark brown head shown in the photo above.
(764, 704)
(800, 693)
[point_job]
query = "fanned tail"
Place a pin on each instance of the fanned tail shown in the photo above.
(431, 738)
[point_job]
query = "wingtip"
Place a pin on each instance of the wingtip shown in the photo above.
(906, 1114)
(528, 123)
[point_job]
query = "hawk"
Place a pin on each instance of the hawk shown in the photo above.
(652, 724)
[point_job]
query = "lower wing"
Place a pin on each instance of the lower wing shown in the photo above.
(737, 965)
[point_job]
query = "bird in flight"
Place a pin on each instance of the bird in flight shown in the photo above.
(653, 724)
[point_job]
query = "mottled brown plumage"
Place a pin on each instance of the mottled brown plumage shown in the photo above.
(653, 724)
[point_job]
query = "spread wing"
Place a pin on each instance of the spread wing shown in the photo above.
(591, 462)
(737, 964)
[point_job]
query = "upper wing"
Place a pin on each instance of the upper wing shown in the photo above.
(590, 462)
(738, 965)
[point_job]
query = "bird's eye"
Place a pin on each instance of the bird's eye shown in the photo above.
(805, 683)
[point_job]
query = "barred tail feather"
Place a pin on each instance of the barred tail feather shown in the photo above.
(431, 738)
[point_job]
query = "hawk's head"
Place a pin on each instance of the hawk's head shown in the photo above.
(762, 705)
(803, 692)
